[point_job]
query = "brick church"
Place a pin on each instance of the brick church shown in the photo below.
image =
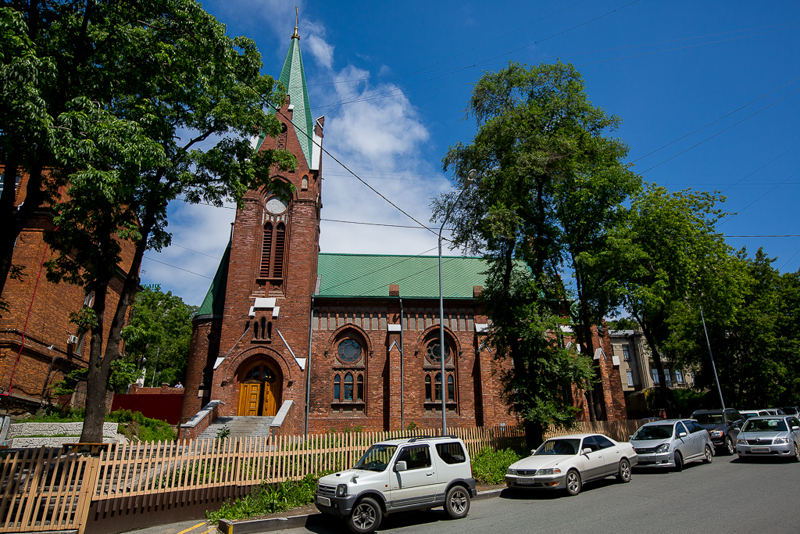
(336, 341)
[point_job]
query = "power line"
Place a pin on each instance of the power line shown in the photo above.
(756, 200)
(176, 267)
(721, 131)
(716, 121)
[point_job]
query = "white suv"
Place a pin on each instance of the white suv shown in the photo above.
(400, 475)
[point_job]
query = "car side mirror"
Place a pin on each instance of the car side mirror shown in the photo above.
(533, 451)
(400, 466)
(587, 450)
(682, 435)
(796, 428)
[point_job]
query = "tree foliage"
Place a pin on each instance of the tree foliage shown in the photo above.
(756, 347)
(148, 101)
(158, 336)
(552, 183)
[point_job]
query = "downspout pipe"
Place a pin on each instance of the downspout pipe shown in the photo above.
(402, 374)
(308, 363)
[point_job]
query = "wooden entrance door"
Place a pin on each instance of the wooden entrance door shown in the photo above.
(259, 390)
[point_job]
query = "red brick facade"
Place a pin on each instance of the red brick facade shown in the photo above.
(38, 344)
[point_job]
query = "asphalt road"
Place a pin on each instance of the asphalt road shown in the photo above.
(726, 496)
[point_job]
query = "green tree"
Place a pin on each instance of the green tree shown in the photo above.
(158, 335)
(665, 254)
(755, 348)
(151, 100)
(544, 154)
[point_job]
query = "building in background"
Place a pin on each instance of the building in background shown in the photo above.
(639, 374)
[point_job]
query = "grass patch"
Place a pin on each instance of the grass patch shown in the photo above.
(269, 499)
(489, 466)
(53, 414)
(148, 429)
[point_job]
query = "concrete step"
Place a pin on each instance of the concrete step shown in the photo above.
(239, 426)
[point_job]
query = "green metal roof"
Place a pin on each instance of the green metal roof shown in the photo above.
(214, 304)
(367, 275)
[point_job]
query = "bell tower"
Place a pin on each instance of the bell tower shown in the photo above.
(272, 271)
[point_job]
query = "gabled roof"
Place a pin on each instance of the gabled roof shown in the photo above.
(368, 275)
(213, 305)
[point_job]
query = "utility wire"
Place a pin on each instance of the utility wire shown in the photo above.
(721, 131)
(716, 120)
(176, 267)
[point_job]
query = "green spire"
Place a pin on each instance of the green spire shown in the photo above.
(293, 77)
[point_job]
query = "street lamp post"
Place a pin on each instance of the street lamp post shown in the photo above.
(471, 177)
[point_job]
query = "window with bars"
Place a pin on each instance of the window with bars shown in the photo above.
(272, 251)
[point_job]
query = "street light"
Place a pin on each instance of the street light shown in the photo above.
(472, 175)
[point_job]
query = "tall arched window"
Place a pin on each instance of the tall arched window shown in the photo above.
(280, 242)
(360, 388)
(273, 247)
(266, 250)
(437, 384)
(451, 388)
(336, 385)
(348, 387)
(428, 387)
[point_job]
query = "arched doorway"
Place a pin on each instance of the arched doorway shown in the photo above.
(259, 389)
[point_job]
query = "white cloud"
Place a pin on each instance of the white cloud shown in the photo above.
(378, 134)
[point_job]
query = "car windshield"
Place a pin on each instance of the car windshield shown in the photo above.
(654, 432)
(376, 458)
(765, 425)
(558, 447)
(709, 418)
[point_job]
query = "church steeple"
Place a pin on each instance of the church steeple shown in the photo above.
(293, 77)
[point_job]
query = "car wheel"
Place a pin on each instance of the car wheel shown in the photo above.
(678, 461)
(730, 448)
(624, 474)
(573, 482)
(709, 455)
(796, 452)
(365, 516)
(456, 504)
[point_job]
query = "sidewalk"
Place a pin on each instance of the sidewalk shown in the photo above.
(297, 517)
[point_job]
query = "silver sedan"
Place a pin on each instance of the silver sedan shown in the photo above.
(670, 443)
(769, 436)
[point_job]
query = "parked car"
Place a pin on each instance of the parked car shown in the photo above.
(723, 427)
(671, 443)
(747, 414)
(569, 462)
(791, 410)
(772, 411)
(769, 436)
(400, 475)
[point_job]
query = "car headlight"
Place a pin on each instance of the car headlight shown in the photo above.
(341, 490)
(511, 471)
(554, 471)
(716, 433)
(741, 441)
(781, 441)
(664, 447)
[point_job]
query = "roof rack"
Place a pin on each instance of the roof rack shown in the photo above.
(449, 436)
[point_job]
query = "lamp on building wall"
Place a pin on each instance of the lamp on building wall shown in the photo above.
(472, 176)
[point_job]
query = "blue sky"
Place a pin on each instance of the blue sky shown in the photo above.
(708, 93)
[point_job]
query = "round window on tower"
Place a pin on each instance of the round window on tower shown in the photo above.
(276, 206)
(349, 351)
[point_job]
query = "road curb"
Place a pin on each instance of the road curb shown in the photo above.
(272, 524)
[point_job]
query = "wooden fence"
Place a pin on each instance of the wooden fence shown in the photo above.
(48, 489)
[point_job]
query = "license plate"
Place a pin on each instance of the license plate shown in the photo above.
(759, 449)
(324, 501)
(525, 481)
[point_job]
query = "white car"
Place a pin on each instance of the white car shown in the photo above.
(568, 462)
(400, 475)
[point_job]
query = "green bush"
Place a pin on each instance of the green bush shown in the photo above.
(489, 466)
(149, 429)
(269, 499)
